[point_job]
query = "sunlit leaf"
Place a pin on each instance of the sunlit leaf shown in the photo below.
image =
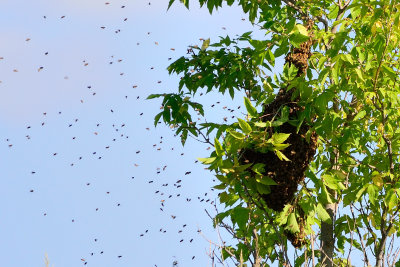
(205, 44)
(246, 128)
(279, 138)
(236, 135)
(249, 107)
(207, 160)
(281, 156)
(323, 215)
(292, 225)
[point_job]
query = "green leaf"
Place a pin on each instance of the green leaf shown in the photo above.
(246, 128)
(280, 146)
(266, 180)
(240, 215)
(218, 148)
(262, 124)
(263, 189)
(360, 75)
(282, 49)
(347, 58)
(170, 3)
(390, 72)
(299, 35)
(157, 118)
(207, 161)
(333, 182)
(322, 214)
(372, 194)
(279, 138)
(184, 137)
(377, 179)
(249, 107)
(391, 199)
(361, 192)
(206, 44)
(221, 186)
(321, 102)
(292, 225)
(166, 115)
(333, 11)
(281, 156)
(154, 96)
(224, 197)
(224, 252)
(258, 168)
(270, 57)
(285, 114)
(325, 196)
(222, 215)
(301, 29)
(236, 135)
(360, 115)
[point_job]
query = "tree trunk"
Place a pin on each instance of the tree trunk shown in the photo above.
(327, 239)
(380, 253)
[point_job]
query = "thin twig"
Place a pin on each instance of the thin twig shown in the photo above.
(359, 236)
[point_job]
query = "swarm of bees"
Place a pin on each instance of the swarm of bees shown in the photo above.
(287, 174)
(97, 132)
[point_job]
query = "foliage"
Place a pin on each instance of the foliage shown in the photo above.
(349, 98)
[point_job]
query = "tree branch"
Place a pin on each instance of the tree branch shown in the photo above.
(292, 4)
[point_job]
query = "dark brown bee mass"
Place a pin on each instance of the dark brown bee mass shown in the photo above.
(287, 174)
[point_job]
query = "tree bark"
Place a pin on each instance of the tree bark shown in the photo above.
(327, 237)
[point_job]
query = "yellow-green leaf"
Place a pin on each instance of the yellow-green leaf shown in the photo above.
(371, 194)
(218, 148)
(292, 225)
(279, 138)
(301, 29)
(249, 107)
(325, 196)
(391, 199)
(206, 43)
(281, 156)
(333, 182)
(360, 115)
(236, 135)
(377, 180)
(207, 160)
(246, 128)
(322, 214)
(263, 124)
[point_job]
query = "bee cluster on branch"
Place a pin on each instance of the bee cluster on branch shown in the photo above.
(287, 174)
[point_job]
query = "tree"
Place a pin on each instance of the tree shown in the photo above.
(317, 155)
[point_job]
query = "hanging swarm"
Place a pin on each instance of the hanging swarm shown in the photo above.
(287, 174)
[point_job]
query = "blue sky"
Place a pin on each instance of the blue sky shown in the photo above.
(71, 130)
(96, 163)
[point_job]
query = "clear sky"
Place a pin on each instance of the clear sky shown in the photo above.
(79, 170)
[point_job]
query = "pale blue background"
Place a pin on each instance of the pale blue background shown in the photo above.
(60, 189)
